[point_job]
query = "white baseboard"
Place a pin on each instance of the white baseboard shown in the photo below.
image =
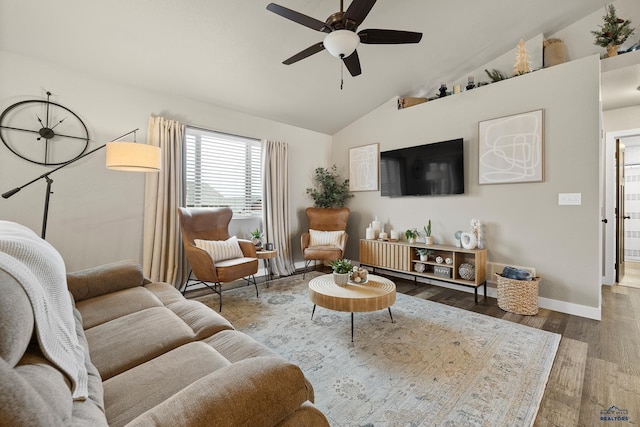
(548, 303)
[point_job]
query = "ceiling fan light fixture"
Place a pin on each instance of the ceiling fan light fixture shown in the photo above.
(341, 43)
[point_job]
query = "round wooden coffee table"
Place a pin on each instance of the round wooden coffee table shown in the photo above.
(377, 294)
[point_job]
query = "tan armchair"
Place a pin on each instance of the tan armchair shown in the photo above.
(315, 248)
(212, 224)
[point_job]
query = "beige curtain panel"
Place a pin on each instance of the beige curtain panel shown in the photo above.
(275, 204)
(163, 255)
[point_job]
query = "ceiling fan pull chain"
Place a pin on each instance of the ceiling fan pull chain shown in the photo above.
(341, 73)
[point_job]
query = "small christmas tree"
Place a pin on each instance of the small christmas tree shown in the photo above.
(614, 32)
(522, 65)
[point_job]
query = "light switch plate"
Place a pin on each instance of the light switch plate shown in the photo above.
(573, 199)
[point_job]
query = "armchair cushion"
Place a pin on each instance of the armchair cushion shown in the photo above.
(220, 250)
(325, 238)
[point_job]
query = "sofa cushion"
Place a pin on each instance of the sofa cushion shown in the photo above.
(136, 338)
(219, 250)
(174, 370)
(104, 279)
(236, 346)
(201, 319)
(104, 308)
(166, 293)
(261, 391)
(34, 393)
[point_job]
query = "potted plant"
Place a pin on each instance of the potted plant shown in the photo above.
(424, 253)
(428, 239)
(329, 191)
(613, 33)
(256, 237)
(411, 235)
(341, 270)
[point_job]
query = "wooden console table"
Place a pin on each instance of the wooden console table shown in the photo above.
(401, 257)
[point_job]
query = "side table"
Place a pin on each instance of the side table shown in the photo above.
(265, 256)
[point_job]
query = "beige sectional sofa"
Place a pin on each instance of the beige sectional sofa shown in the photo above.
(152, 357)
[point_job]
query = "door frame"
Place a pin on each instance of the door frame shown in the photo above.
(609, 203)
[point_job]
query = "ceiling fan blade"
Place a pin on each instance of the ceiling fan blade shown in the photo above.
(374, 36)
(298, 17)
(358, 10)
(304, 53)
(352, 63)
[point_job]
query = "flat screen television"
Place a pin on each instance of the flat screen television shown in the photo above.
(424, 170)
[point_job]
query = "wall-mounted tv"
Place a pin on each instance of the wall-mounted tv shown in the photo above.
(424, 170)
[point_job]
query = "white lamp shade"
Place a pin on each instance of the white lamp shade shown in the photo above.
(341, 43)
(133, 157)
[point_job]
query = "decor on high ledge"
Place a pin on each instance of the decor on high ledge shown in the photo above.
(442, 90)
(428, 239)
(341, 270)
(522, 65)
(470, 83)
(614, 32)
(363, 168)
(329, 192)
(495, 75)
(511, 149)
(411, 234)
(554, 52)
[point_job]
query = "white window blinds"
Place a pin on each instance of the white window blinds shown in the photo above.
(223, 170)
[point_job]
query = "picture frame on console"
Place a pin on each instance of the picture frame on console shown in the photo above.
(511, 149)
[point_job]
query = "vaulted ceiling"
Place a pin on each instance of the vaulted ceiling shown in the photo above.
(230, 52)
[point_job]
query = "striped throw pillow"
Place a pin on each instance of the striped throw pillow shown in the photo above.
(219, 250)
(325, 238)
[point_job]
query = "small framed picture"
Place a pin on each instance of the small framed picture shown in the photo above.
(364, 168)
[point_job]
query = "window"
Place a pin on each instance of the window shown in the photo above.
(223, 170)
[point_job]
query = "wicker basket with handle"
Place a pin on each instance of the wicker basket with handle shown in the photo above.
(518, 296)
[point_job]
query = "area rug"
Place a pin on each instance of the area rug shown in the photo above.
(435, 366)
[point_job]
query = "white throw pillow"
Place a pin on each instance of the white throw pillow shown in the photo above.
(325, 238)
(219, 250)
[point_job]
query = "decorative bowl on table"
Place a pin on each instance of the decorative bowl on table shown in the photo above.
(359, 275)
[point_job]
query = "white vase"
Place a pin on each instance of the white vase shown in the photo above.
(424, 257)
(428, 240)
(341, 279)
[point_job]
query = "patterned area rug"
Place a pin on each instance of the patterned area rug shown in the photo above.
(436, 365)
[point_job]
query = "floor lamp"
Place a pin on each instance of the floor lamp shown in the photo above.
(122, 156)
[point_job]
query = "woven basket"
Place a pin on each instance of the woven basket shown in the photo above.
(518, 296)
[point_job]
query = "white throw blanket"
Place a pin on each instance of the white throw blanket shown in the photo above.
(39, 268)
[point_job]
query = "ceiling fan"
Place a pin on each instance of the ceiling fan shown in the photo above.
(342, 40)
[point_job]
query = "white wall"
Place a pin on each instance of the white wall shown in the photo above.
(523, 223)
(96, 214)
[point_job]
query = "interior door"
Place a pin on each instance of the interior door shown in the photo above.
(620, 211)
